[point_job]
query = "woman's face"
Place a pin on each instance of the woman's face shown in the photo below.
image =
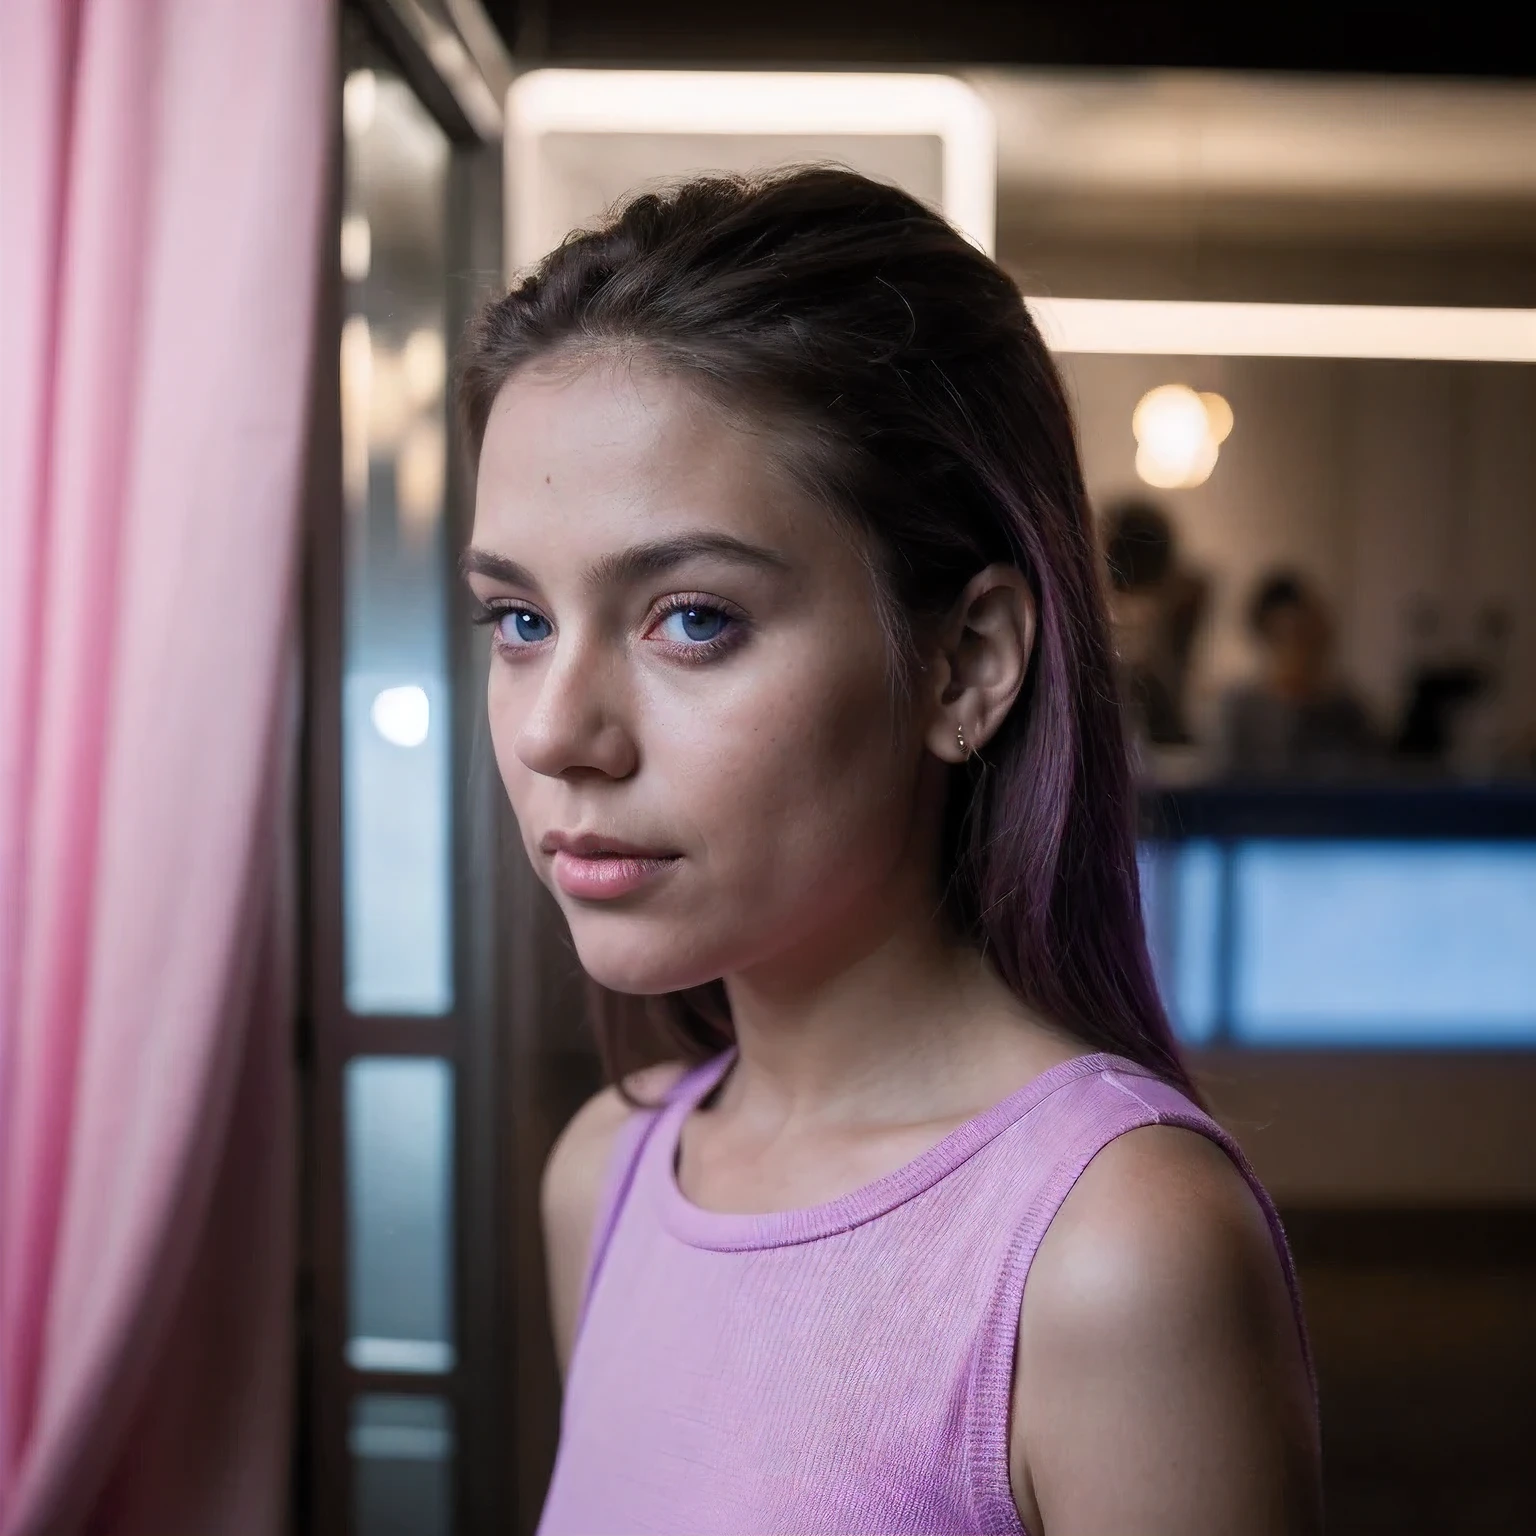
(688, 661)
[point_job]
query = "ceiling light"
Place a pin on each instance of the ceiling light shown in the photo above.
(753, 103)
(1190, 328)
(1219, 414)
(1179, 435)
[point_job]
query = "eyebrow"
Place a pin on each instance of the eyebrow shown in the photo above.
(635, 563)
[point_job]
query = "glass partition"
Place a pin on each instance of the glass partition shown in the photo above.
(402, 1465)
(395, 736)
(399, 1119)
(1345, 942)
(1382, 943)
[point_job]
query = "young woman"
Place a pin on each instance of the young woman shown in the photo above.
(802, 696)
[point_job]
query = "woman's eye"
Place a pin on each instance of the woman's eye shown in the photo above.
(520, 626)
(695, 624)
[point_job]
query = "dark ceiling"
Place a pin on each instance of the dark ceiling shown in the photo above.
(1474, 38)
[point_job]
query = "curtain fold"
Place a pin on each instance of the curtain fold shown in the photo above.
(164, 165)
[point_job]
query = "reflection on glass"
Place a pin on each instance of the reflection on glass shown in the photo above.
(399, 1118)
(1154, 862)
(1181, 897)
(402, 1465)
(394, 454)
(1197, 935)
(1398, 943)
(395, 780)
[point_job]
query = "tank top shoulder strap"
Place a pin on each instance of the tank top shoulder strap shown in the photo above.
(1121, 1096)
(624, 1157)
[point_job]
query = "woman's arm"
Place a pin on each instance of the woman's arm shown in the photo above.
(570, 1190)
(1159, 1383)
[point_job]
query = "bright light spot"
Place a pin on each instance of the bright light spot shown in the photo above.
(1170, 423)
(356, 247)
(400, 715)
(1219, 414)
(359, 98)
(426, 366)
(1195, 470)
(1178, 434)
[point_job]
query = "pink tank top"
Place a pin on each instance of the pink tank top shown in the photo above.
(841, 1368)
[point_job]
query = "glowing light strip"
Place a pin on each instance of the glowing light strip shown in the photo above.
(425, 1355)
(745, 102)
(1184, 328)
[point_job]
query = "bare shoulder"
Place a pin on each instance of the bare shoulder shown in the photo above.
(1160, 1210)
(1159, 1380)
(572, 1185)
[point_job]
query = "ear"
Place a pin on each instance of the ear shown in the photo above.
(979, 661)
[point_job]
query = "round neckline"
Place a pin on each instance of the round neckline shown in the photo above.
(732, 1230)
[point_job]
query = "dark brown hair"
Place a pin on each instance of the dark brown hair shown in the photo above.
(905, 384)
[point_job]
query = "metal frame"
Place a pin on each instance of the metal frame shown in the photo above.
(319, 1471)
(460, 76)
(459, 69)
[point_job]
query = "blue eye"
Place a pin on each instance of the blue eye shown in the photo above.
(519, 626)
(697, 623)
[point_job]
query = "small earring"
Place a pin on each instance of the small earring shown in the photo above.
(965, 751)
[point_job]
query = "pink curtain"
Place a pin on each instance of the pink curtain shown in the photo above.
(164, 165)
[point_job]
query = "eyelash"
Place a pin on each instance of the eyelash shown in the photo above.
(694, 654)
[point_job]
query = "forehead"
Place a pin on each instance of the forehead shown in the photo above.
(608, 450)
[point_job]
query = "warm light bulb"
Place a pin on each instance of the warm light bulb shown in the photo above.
(1182, 475)
(1219, 414)
(401, 715)
(1178, 435)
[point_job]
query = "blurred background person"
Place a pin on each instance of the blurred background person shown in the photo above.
(1455, 696)
(1349, 967)
(1156, 608)
(1297, 718)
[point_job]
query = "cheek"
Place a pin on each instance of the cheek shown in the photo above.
(794, 779)
(786, 785)
(505, 706)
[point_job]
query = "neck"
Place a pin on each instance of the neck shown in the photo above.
(905, 1024)
(878, 1012)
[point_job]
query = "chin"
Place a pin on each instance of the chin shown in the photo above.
(642, 961)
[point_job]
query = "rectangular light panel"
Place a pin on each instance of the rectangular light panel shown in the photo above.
(761, 103)
(1177, 327)
(1428, 944)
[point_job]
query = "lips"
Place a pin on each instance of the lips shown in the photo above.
(599, 845)
(595, 867)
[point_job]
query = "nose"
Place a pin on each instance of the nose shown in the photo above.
(578, 719)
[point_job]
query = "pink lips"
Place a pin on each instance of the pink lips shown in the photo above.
(597, 868)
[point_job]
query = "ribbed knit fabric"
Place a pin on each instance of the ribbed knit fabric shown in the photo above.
(846, 1367)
